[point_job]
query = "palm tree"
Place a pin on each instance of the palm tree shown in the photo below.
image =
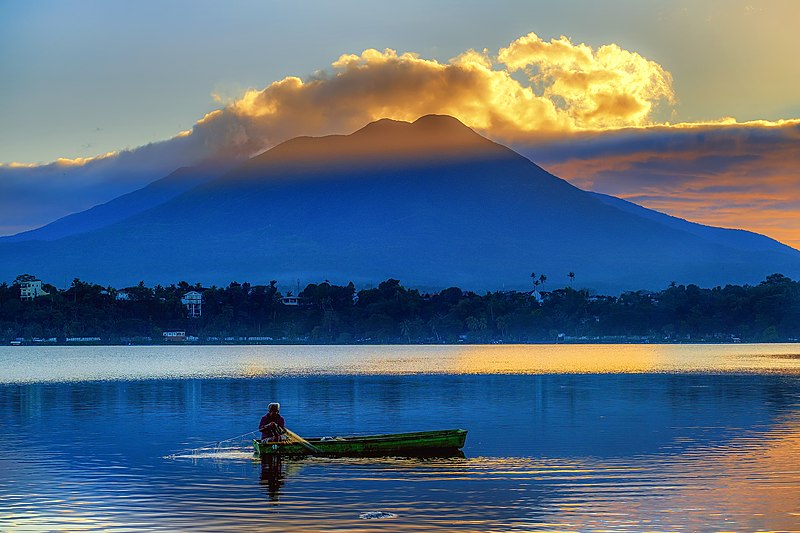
(405, 329)
(533, 279)
(433, 323)
(542, 278)
(571, 277)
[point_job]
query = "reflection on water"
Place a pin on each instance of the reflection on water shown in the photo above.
(272, 474)
(545, 452)
(27, 364)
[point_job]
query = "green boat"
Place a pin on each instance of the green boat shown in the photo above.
(399, 444)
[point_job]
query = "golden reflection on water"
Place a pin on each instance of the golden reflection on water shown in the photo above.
(758, 479)
(750, 484)
(625, 358)
(90, 363)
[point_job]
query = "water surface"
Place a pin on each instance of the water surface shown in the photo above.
(626, 438)
(24, 364)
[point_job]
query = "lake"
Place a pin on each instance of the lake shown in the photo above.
(561, 438)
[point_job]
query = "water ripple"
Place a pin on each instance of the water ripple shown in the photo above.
(615, 452)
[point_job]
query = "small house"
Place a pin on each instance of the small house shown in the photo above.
(30, 289)
(193, 301)
(295, 301)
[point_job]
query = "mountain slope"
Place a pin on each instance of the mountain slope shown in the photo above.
(431, 203)
(122, 207)
(735, 238)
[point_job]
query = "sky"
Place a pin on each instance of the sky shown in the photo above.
(687, 107)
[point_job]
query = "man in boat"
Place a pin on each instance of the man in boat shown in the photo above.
(272, 425)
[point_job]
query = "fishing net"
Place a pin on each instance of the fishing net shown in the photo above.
(233, 444)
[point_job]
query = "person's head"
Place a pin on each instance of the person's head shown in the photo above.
(274, 407)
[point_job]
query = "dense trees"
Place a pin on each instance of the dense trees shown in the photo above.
(769, 311)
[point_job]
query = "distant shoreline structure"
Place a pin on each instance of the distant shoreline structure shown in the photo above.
(593, 341)
(390, 314)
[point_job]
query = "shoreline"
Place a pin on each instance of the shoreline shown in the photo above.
(586, 342)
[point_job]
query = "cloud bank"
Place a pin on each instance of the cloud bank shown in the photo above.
(590, 115)
(738, 175)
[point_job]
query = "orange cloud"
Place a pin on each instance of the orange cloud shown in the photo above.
(734, 175)
(569, 88)
(604, 88)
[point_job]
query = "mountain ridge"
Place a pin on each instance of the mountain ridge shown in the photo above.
(121, 207)
(736, 237)
(430, 202)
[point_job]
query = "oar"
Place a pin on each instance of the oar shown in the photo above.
(302, 441)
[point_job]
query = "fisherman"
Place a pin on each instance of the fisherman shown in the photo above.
(272, 425)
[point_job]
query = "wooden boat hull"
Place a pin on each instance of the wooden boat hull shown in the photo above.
(398, 444)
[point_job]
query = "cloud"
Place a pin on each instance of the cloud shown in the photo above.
(604, 88)
(566, 88)
(34, 195)
(734, 175)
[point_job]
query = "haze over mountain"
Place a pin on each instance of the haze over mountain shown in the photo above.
(431, 203)
(122, 207)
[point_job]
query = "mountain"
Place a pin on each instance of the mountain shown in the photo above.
(123, 207)
(431, 203)
(735, 238)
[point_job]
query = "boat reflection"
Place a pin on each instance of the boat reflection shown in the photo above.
(276, 469)
(273, 474)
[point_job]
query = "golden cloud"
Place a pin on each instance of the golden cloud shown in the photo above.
(62, 161)
(604, 88)
(569, 88)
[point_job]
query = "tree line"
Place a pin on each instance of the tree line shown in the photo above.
(392, 313)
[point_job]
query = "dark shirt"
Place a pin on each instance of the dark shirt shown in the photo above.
(266, 419)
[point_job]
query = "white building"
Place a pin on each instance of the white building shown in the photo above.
(174, 336)
(31, 289)
(193, 301)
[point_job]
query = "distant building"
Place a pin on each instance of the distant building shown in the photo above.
(193, 301)
(28, 290)
(175, 336)
(293, 300)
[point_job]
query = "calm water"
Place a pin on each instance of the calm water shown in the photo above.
(561, 438)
